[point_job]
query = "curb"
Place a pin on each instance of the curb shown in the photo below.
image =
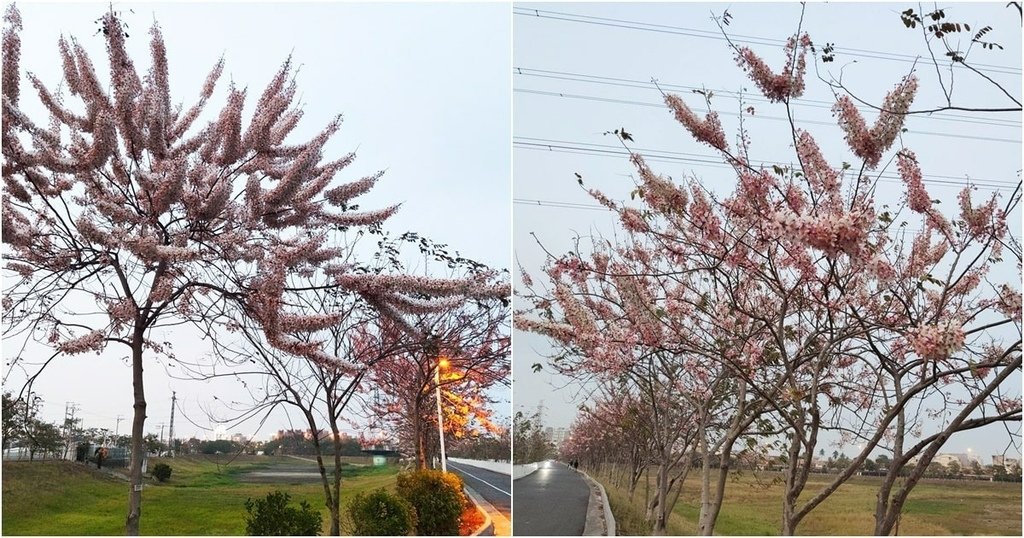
(593, 516)
(488, 523)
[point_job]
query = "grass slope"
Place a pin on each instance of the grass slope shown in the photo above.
(934, 508)
(203, 497)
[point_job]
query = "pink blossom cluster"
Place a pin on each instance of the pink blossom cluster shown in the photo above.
(936, 342)
(917, 196)
(659, 193)
(979, 220)
(869, 144)
(881, 268)
(823, 177)
(1006, 405)
(418, 284)
(1010, 302)
(92, 341)
(785, 85)
(924, 255)
(560, 332)
(574, 312)
(123, 310)
(709, 130)
(10, 77)
(703, 217)
(831, 233)
(633, 220)
(343, 193)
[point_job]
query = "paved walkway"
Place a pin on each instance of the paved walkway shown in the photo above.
(495, 488)
(551, 501)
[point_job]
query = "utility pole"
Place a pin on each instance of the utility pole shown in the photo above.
(170, 434)
(118, 426)
(68, 418)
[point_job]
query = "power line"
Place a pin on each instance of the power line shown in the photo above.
(809, 103)
(574, 205)
(776, 118)
(736, 38)
(585, 148)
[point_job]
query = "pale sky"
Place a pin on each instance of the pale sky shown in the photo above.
(576, 79)
(425, 93)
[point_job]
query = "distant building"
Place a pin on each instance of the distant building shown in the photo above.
(964, 460)
(999, 459)
(239, 438)
(557, 436)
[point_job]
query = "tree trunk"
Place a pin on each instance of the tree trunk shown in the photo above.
(703, 522)
(336, 509)
(661, 517)
(421, 449)
(131, 526)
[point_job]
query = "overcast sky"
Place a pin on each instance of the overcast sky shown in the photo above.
(425, 93)
(580, 70)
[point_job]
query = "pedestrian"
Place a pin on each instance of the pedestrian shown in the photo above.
(101, 454)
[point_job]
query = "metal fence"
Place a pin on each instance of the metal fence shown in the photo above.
(81, 452)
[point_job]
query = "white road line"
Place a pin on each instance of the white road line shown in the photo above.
(450, 464)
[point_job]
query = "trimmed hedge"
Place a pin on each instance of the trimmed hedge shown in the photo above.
(162, 472)
(273, 517)
(438, 499)
(382, 513)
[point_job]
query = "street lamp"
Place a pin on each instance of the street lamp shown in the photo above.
(441, 363)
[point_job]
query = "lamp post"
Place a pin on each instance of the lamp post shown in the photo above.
(442, 362)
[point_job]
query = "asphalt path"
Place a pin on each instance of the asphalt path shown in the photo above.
(551, 501)
(495, 488)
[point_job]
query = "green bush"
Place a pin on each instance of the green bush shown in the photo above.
(162, 472)
(382, 513)
(438, 499)
(273, 517)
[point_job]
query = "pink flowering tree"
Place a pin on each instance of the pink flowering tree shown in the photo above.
(835, 318)
(123, 213)
(464, 351)
(612, 421)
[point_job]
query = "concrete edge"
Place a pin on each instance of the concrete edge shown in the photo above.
(479, 501)
(500, 467)
(523, 470)
(592, 527)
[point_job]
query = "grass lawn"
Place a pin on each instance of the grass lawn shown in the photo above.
(935, 507)
(204, 496)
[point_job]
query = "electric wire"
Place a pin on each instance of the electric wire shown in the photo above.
(668, 156)
(809, 103)
(611, 100)
(736, 38)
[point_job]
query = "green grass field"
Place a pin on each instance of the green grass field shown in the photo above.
(205, 496)
(934, 508)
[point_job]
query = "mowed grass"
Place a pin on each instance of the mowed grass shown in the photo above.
(754, 507)
(203, 497)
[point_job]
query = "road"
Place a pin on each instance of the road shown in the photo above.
(551, 501)
(494, 487)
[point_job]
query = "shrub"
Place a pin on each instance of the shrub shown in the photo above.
(382, 513)
(162, 472)
(438, 500)
(273, 517)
